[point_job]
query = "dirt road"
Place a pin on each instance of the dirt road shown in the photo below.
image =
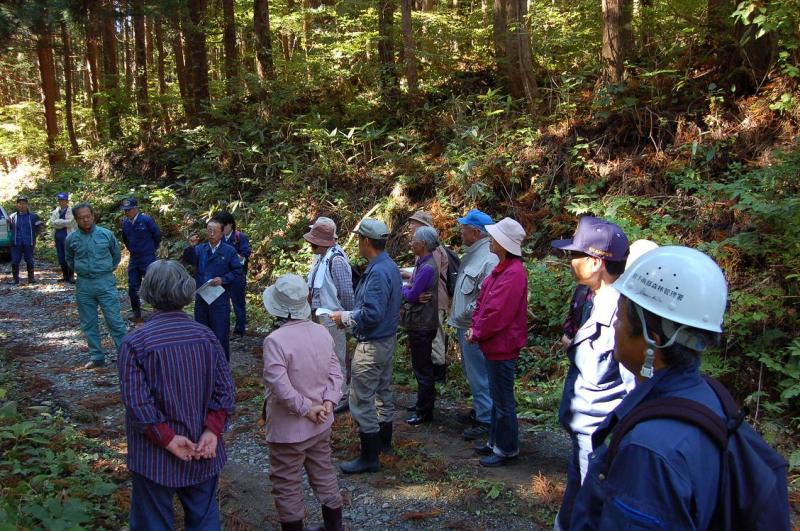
(432, 482)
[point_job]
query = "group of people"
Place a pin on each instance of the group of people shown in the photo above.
(638, 321)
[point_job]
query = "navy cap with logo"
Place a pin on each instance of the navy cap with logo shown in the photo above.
(597, 237)
(129, 203)
(62, 196)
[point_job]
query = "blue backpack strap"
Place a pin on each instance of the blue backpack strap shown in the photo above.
(676, 408)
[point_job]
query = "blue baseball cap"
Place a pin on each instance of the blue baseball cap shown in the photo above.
(62, 195)
(129, 203)
(597, 237)
(476, 218)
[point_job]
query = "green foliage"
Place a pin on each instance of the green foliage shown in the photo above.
(48, 475)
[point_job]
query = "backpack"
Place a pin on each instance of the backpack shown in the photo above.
(450, 276)
(355, 275)
(751, 473)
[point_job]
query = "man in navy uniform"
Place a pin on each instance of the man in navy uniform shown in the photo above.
(238, 240)
(141, 236)
(25, 227)
(217, 262)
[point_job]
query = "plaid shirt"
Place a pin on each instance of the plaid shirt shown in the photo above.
(174, 379)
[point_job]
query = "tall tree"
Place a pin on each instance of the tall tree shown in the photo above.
(520, 60)
(42, 28)
(616, 39)
(182, 72)
(127, 54)
(92, 29)
(264, 65)
(229, 41)
(499, 30)
(160, 69)
(409, 52)
(66, 44)
(388, 72)
(111, 69)
(140, 49)
(198, 58)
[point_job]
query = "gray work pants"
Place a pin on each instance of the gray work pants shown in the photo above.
(371, 395)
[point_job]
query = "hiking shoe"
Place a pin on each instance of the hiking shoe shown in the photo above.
(467, 418)
(479, 431)
(495, 460)
(483, 449)
(95, 364)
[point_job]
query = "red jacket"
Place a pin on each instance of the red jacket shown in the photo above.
(500, 321)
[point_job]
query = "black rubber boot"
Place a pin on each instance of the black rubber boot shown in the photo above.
(386, 437)
(30, 275)
(14, 275)
(292, 526)
(368, 460)
(70, 275)
(332, 519)
(64, 273)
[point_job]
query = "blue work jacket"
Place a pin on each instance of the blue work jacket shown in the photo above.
(142, 237)
(25, 228)
(666, 472)
(377, 300)
(596, 383)
(238, 240)
(223, 263)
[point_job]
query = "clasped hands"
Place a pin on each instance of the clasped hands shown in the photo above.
(184, 449)
(320, 414)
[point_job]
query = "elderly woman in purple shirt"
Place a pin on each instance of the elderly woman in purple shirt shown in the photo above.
(421, 320)
(178, 393)
(303, 383)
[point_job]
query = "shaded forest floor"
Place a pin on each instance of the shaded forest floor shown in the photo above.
(432, 481)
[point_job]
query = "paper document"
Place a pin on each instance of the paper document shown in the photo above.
(209, 293)
(324, 311)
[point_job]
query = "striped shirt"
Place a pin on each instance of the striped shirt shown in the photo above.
(173, 378)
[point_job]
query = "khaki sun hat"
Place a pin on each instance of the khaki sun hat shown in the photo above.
(288, 297)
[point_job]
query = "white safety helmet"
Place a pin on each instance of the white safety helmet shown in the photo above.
(684, 287)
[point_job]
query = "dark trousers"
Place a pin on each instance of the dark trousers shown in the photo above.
(61, 237)
(136, 271)
(564, 515)
(151, 505)
(420, 342)
(237, 291)
(216, 316)
(18, 251)
(504, 429)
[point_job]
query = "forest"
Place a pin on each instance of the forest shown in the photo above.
(679, 120)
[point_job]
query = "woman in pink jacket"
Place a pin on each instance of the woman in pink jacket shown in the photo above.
(500, 327)
(303, 383)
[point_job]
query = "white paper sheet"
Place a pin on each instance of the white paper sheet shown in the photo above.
(324, 311)
(209, 293)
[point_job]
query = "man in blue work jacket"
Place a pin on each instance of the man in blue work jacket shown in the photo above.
(666, 473)
(238, 240)
(93, 253)
(217, 262)
(25, 227)
(141, 236)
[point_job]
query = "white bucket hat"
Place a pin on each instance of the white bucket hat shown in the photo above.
(509, 234)
(288, 297)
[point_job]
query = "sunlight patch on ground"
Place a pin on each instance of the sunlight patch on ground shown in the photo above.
(26, 173)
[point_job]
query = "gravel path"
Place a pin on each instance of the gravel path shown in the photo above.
(433, 480)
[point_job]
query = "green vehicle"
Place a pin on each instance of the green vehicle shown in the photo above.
(5, 234)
